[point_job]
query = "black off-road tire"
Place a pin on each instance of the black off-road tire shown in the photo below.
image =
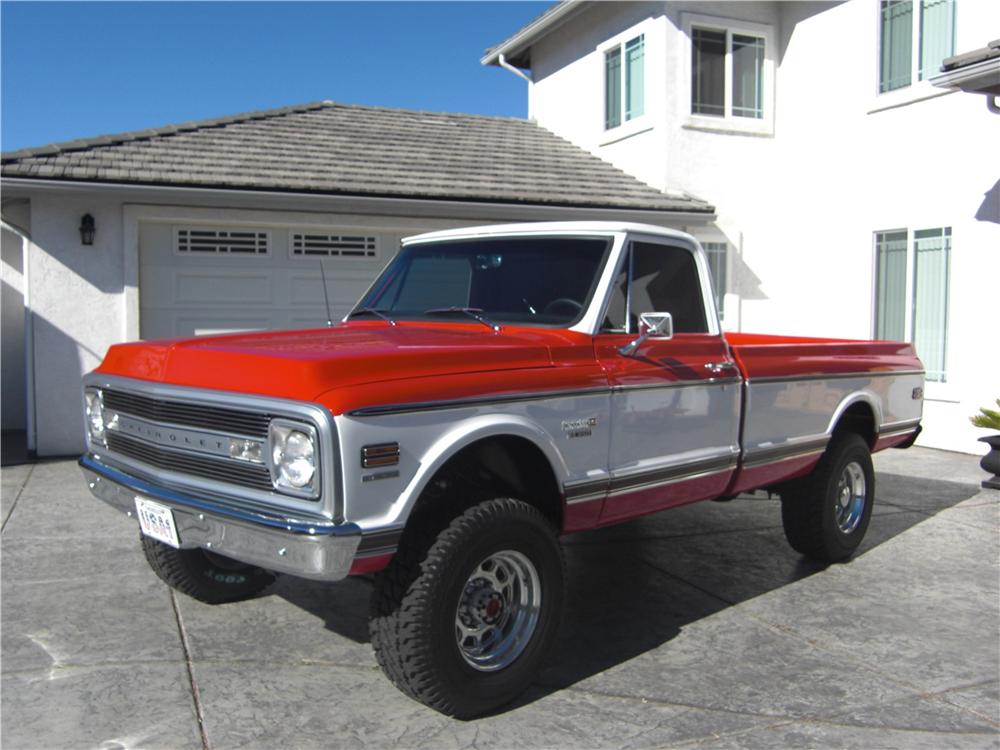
(415, 603)
(205, 576)
(809, 507)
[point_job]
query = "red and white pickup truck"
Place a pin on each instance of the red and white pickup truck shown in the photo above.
(496, 387)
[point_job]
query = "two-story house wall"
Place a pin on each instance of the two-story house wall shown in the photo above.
(853, 198)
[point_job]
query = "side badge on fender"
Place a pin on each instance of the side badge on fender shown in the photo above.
(575, 428)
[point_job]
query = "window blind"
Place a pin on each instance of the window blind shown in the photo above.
(896, 45)
(937, 35)
(612, 88)
(748, 75)
(932, 248)
(890, 284)
(634, 84)
(716, 253)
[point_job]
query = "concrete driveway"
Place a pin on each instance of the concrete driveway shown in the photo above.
(695, 627)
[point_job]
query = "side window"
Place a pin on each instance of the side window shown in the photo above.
(657, 278)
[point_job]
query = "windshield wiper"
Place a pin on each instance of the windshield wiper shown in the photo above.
(372, 311)
(472, 312)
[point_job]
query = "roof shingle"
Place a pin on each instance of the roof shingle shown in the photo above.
(332, 148)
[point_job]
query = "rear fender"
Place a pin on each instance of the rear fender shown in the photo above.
(857, 397)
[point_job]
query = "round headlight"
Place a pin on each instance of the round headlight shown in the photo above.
(296, 459)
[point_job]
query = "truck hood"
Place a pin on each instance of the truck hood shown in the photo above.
(304, 364)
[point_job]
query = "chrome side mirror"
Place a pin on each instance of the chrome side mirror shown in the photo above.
(652, 325)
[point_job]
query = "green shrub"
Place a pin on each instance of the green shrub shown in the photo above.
(987, 418)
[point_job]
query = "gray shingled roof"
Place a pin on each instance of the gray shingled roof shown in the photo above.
(989, 52)
(331, 148)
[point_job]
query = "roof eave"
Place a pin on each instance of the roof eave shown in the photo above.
(514, 47)
(699, 212)
(979, 78)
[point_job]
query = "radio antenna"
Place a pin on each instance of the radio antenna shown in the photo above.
(326, 298)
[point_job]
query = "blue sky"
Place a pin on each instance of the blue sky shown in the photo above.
(71, 70)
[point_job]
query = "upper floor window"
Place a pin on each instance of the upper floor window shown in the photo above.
(729, 66)
(724, 62)
(926, 27)
(627, 78)
(911, 292)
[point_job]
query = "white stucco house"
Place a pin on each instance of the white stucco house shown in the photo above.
(225, 225)
(854, 197)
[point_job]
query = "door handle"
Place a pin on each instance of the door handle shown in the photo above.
(716, 367)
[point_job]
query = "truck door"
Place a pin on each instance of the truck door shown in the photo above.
(675, 403)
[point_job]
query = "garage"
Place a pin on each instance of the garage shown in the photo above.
(229, 224)
(201, 279)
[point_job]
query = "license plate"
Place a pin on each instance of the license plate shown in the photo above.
(157, 521)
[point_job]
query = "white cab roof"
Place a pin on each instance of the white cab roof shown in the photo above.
(548, 227)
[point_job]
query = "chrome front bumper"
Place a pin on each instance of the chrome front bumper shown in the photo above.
(317, 549)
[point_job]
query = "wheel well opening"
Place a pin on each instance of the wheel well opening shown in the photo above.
(506, 464)
(859, 419)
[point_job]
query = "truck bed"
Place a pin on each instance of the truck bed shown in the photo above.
(796, 389)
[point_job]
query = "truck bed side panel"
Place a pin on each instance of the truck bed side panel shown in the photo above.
(798, 388)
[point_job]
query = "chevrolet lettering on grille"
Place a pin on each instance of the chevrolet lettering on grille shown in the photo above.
(175, 437)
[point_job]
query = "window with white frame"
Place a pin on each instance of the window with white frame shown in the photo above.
(914, 37)
(624, 77)
(911, 293)
(717, 254)
(727, 72)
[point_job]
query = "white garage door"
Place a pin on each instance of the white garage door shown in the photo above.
(200, 279)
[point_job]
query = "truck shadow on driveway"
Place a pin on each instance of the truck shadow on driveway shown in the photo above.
(631, 588)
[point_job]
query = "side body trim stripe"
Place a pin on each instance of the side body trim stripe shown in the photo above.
(762, 456)
(419, 406)
(832, 376)
(578, 492)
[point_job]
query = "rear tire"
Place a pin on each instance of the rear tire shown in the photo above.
(462, 619)
(826, 514)
(204, 575)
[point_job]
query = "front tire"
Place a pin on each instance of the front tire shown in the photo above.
(826, 514)
(462, 619)
(204, 575)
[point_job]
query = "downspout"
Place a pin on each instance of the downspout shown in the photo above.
(992, 103)
(502, 62)
(29, 339)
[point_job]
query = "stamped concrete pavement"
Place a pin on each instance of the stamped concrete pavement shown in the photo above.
(698, 627)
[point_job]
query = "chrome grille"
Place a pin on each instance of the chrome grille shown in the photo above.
(254, 476)
(204, 416)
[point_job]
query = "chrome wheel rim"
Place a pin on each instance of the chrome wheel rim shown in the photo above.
(498, 611)
(850, 499)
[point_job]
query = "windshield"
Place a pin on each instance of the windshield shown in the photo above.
(529, 280)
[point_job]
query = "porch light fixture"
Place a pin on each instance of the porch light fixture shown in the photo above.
(87, 229)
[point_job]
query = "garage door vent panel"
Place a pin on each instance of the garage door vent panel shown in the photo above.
(333, 245)
(203, 241)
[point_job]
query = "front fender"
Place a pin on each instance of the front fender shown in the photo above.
(427, 442)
